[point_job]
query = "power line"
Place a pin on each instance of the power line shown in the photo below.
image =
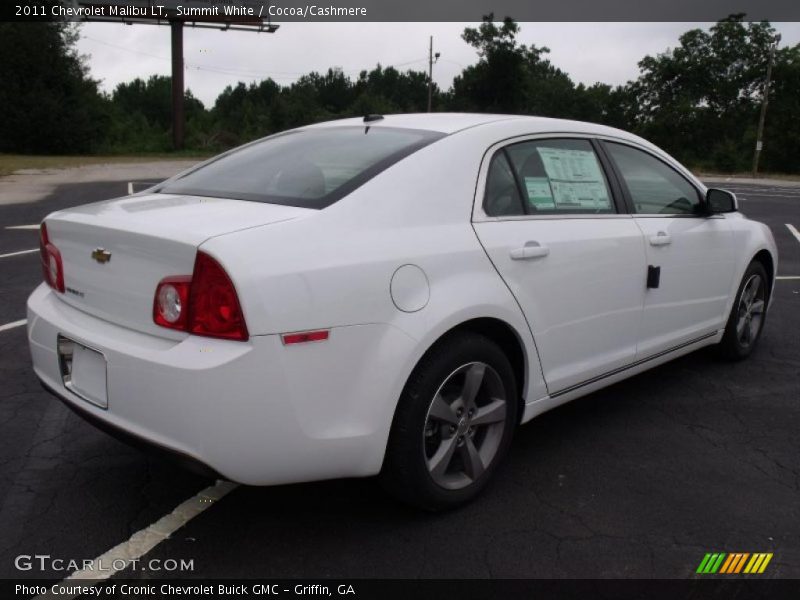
(240, 72)
(192, 65)
(124, 48)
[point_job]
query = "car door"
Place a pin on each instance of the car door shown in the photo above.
(691, 254)
(547, 217)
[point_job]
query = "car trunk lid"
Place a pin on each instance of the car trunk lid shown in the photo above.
(115, 252)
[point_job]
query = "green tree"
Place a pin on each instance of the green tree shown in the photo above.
(497, 83)
(700, 100)
(50, 104)
(142, 115)
(601, 103)
(510, 77)
(153, 99)
(387, 90)
(782, 131)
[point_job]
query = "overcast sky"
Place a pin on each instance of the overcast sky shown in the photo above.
(588, 52)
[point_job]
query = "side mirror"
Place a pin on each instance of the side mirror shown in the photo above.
(721, 201)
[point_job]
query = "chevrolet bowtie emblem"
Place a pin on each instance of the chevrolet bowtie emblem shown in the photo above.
(101, 255)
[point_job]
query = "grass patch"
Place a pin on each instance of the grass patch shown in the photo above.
(10, 163)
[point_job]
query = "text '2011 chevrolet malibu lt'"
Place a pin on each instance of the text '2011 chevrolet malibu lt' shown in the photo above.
(389, 296)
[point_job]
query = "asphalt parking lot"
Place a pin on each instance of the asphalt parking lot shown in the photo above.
(639, 480)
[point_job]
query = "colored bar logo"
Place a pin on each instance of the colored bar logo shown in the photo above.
(734, 563)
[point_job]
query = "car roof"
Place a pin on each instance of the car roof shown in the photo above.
(449, 123)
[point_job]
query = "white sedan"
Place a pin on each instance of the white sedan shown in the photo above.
(389, 295)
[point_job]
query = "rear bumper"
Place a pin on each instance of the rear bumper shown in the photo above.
(255, 412)
(125, 437)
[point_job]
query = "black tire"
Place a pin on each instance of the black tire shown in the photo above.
(738, 343)
(417, 436)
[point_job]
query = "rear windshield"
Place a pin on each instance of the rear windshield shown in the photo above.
(308, 168)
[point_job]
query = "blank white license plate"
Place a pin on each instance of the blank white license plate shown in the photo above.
(83, 371)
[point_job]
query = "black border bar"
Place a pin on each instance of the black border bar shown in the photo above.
(701, 588)
(278, 11)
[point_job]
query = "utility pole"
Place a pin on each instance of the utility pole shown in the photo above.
(163, 15)
(432, 58)
(764, 102)
(177, 85)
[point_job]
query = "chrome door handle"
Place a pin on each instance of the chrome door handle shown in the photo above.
(662, 238)
(530, 250)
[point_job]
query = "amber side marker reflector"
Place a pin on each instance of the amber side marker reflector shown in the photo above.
(305, 336)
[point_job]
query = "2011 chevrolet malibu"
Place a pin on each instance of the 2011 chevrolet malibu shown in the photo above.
(389, 295)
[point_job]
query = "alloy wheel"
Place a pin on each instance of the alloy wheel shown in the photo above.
(464, 425)
(752, 304)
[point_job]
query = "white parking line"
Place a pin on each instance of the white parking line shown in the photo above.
(13, 324)
(23, 227)
(761, 195)
(10, 254)
(143, 541)
(794, 231)
(788, 277)
(750, 188)
(142, 185)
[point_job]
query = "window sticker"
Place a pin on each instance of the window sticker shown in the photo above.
(591, 195)
(575, 178)
(540, 195)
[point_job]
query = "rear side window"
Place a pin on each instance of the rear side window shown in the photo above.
(310, 169)
(502, 192)
(553, 177)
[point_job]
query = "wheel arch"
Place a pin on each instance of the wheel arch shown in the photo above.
(506, 337)
(764, 257)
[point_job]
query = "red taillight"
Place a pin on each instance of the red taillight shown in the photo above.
(213, 304)
(204, 304)
(171, 305)
(52, 265)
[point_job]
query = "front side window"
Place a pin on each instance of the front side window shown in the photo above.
(310, 168)
(553, 177)
(654, 187)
